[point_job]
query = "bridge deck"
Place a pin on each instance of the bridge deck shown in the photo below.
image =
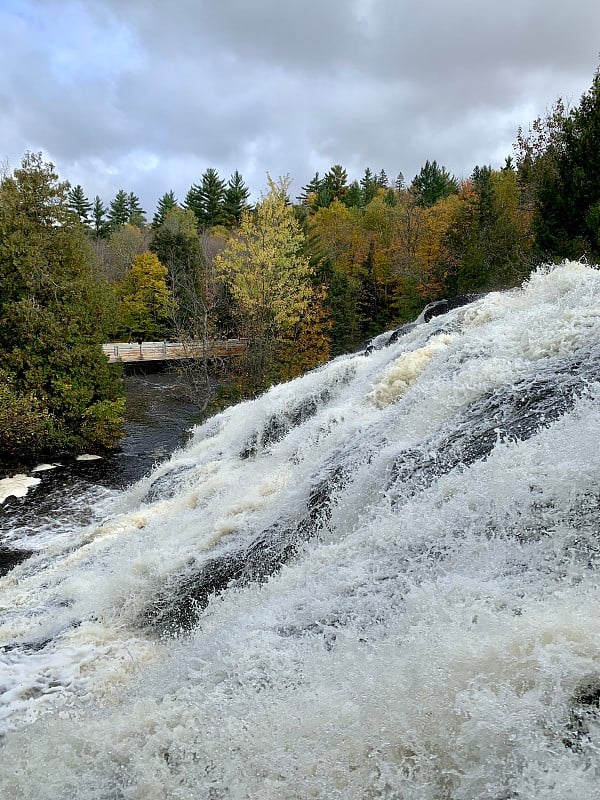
(128, 352)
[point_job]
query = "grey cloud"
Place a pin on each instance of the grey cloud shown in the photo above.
(154, 91)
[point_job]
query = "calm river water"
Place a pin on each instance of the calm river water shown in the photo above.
(159, 417)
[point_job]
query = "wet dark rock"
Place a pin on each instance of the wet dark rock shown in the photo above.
(430, 311)
(584, 709)
(167, 485)
(514, 413)
(10, 558)
(279, 425)
(439, 307)
(180, 602)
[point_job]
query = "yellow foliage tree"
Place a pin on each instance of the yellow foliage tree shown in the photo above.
(146, 303)
(269, 278)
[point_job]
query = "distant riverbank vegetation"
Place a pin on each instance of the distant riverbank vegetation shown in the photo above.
(301, 279)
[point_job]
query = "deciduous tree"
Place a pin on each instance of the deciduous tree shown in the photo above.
(146, 302)
(269, 278)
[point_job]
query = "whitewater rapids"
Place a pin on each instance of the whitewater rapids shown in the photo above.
(380, 580)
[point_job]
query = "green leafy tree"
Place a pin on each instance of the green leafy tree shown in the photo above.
(52, 324)
(489, 242)
(567, 218)
(433, 183)
(79, 204)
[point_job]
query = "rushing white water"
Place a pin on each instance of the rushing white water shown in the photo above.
(377, 581)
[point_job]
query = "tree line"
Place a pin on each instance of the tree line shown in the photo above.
(301, 279)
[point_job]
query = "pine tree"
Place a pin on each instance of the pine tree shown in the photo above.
(137, 216)
(433, 183)
(235, 200)
(311, 191)
(79, 204)
(382, 180)
(119, 211)
(353, 197)
(212, 195)
(177, 244)
(399, 182)
(369, 186)
(165, 203)
(568, 197)
(336, 182)
(193, 202)
(100, 223)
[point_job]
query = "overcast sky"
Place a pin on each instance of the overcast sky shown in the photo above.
(146, 94)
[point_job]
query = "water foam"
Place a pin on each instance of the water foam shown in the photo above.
(427, 628)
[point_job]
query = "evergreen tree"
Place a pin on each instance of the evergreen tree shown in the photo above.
(311, 191)
(336, 183)
(52, 323)
(100, 223)
(382, 180)
(177, 245)
(390, 198)
(433, 183)
(212, 195)
(79, 204)
(369, 186)
(165, 203)
(137, 216)
(353, 197)
(193, 202)
(399, 182)
(568, 197)
(482, 183)
(235, 200)
(119, 210)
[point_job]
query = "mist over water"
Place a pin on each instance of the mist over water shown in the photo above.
(377, 581)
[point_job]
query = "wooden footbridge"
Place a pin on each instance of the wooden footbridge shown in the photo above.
(131, 352)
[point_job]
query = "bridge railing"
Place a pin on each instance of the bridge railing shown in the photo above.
(166, 351)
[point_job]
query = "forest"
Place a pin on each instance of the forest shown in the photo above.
(301, 279)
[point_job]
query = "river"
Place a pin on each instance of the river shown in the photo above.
(159, 417)
(379, 581)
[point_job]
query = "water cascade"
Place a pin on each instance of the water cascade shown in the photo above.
(376, 581)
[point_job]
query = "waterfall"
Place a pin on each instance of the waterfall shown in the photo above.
(375, 581)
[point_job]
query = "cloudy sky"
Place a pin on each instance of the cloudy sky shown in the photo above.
(146, 94)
